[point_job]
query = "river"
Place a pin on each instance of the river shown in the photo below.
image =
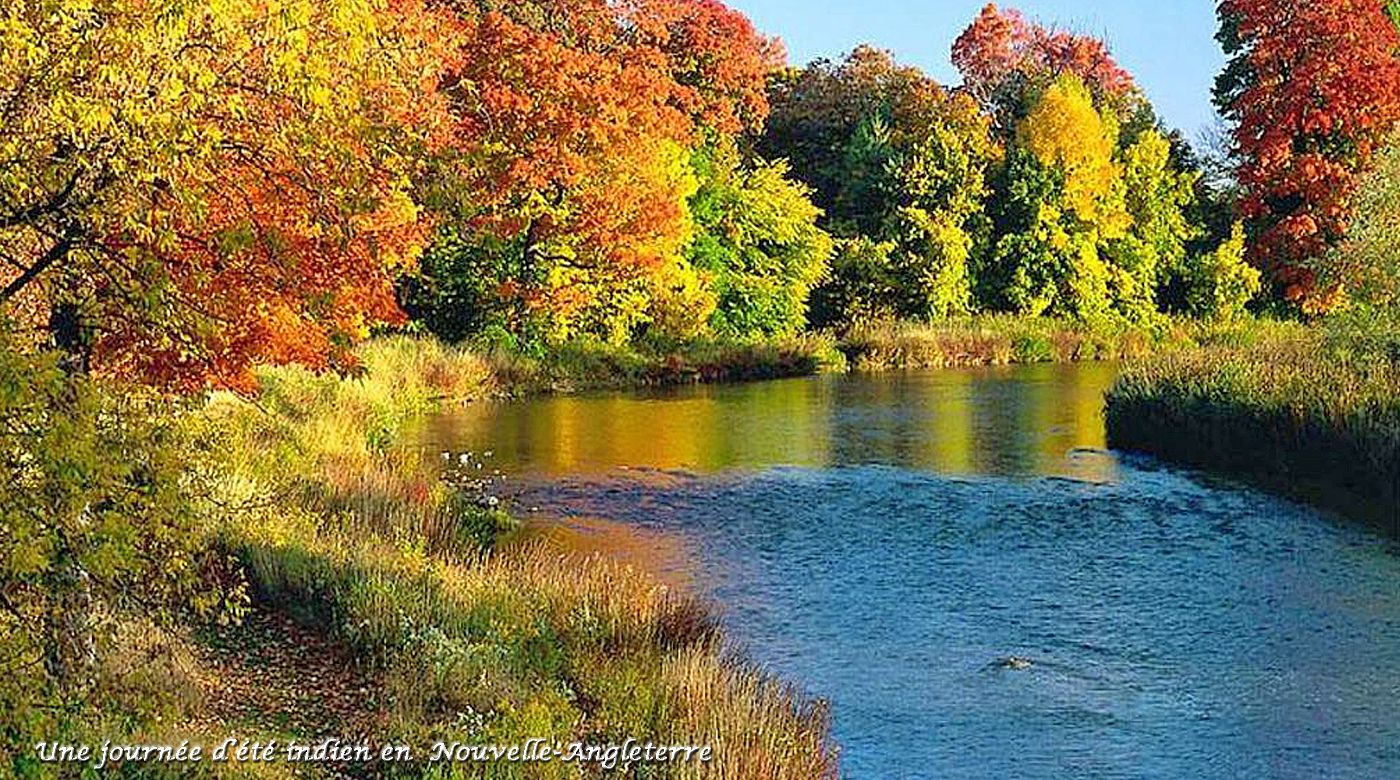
(888, 542)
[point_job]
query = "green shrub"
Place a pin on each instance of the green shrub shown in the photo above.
(99, 534)
(1219, 284)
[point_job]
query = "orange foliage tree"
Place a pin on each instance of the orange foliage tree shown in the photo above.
(1312, 87)
(573, 123)
(190, 191)
(1001, 52)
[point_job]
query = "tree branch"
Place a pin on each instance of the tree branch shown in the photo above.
(57, 252)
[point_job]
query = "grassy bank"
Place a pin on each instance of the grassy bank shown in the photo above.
(1311, 412)
(336, 525)
(585, 366)
(992, 340)
(983, 340)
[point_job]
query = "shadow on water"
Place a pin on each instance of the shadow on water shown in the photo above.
(978, 587)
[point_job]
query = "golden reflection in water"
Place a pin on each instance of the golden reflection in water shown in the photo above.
(951, 437)
(1022, 421)
(663, 555)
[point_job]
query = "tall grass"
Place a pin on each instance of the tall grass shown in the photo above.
(338, 525)
(999, 340)
(1314, 412)
(587, 365)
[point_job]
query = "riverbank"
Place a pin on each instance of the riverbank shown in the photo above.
(354, 537)
(1310, 412)
(963, 342)
(364, 541)
(576, 367)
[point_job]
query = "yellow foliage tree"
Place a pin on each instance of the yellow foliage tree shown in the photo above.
(1067, 133)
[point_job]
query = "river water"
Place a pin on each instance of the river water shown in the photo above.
(889, 541)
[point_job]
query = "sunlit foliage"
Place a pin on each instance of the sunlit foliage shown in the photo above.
(758, 241)
(206, 186)
(1065, 132)
(1312, 89)
(1220, 283)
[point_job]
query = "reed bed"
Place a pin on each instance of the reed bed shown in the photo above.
(990, 340)
(1313, 412)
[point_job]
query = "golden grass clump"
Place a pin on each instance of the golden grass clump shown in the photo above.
(1315, 412)
(994, 339)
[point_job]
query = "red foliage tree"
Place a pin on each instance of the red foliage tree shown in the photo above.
(1001, 47)
(718, 62)
(1312, 87)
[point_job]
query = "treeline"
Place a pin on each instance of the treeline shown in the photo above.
(854, 191)
(190, 192)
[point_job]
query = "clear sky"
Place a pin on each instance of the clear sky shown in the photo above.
(1168, 45)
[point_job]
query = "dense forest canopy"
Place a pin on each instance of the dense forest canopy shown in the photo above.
(192, 191)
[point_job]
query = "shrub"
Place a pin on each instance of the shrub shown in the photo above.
(98, 533)
(1220, 283)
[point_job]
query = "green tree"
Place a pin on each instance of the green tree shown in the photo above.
(1366, 266)
(455, 290)
(1159, 199)
(97, 521)
(758, 242)
(899, 161)
(862, 286)
(1220, 283)
(817, 110)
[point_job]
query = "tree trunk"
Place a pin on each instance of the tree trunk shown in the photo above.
(72, 650)
(71, 657)
(526, 277)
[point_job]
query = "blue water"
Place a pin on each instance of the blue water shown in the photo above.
(1176, 626)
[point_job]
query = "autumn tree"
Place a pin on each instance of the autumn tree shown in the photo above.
(1061, 197)
(185, 191)
(190, 191)
(1004, 59)
(1311, 90)
(571, 173)
(899, 162)
(717, 62)
(758, 242)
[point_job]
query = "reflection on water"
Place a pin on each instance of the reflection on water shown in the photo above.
(1037, 420)
(888, 541)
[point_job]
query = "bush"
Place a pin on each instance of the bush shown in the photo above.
(757, 238)
(1219, 284)
(98, 533)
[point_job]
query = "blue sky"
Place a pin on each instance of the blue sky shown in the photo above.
(1168, 45)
